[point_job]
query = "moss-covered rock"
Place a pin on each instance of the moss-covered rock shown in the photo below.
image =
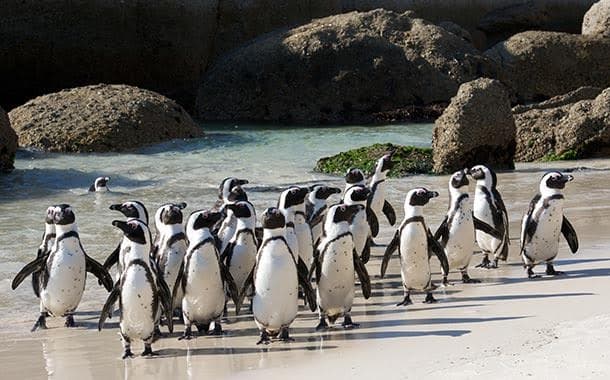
(407, 160)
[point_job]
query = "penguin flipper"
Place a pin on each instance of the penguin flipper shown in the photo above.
(363, 276)
(365, 255)
(110, 301)
(113, 258)
(303, 276)
(392, 246)
(482, 226)
(389, 212)
(36, 276)
(373, 221)
(244, 290)
(570, 234)
(99, 271)
(34, 266)
(92, 188)
(167, 300)
(226, 255)
(315, 219)
(435, 248)
(227, 278)
(442, 232)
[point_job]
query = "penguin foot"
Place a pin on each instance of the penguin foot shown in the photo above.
(70, 321)
(484, 263)
(445, 283)
(217, 329)
(466, 279)
(203, 328)
(41, 323)
(531, 275)
(148, 351)
(322, 325)
(285, 336)
(127, 354)
(405, 302)
(552, 272)
(157, 334)
(264, 338)
(188, 334)
(430, 298)
(348, 323)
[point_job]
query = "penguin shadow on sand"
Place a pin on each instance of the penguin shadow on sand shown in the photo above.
(208, 351)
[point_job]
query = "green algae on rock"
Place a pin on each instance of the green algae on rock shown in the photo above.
(407, 160)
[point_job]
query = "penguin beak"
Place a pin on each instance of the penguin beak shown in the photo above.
(568, 178)
(241, 182)
(432, 194)
(121, 224)
(116, 207)
(181, 205)
(353, 210)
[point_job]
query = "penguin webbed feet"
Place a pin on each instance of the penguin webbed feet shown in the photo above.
(531, 275)
(488, 264)
(348, 323)
(430, 298)
(445, 283)
(322, 326)
(127, 354)
(406, 301)
(217, 329)
(285, 335)
(148, 352)
(41, 323)
(466, 279)
(264, 338)
(550, 270)
(188, 333)
(70, 321)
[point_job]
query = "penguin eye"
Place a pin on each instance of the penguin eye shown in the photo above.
(342, 208)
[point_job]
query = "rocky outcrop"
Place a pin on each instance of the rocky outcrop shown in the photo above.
(339, 69)
(100, 118)
(476, 128)
(8, 144)
(576, 125)
(597, 20)
(540, 65)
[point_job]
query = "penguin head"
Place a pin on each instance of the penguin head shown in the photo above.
(419, 196)
(293, 196)
(132, 209)
(384, 164)
(134, 230)
(237, 194)
(484, 176)
(554, 181)
(273, 218)
(322, 192)
(49, 217)
(63, 215)
(343, 213)
(354, 176)
(170, 213)
(227, 185)
(356, 194)
(100, 184)
(241, 209)
(459, 180)
(204, 219)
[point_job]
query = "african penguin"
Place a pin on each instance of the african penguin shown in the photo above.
(298, 233)
(100, 185)
(227, 227)
(63, 270)
(543, 223)
(359, 227)
(46, 243)
(489, 207)
(316, 206)
(276, 280)
(132, 210)
(335, 264)
(354, 176)
(415, 245)
(377, 200)
(138, 291)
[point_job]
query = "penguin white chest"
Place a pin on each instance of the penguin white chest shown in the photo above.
(66, 283)
(360, 231)
(545, 241)
(305, 240)
(482, 211)
(204, 296)
(378, 198)
(138, 303)
(414, 260)
(243, 259)
(336, 284)
(174, 257)
(460, 245)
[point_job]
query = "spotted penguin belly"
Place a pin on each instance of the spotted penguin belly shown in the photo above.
(414, 261)
(204, 295)
(545, 241)
(336, 284)
(66, 283)
(137, 304)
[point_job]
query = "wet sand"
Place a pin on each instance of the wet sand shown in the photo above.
(506, 327)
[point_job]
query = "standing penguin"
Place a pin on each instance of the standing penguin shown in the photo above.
(335, 265)
(456, 232)
(48, 238)
(489, 207)
(229, 223)
(63, 270)
(276, 280)
(100, 185)
(138, 291)
(298, 232)
(240, 254)
(354, 176)
(204, 277)
(377, 201)
(542, 224)
(415, 245)
(360, 227)
(170, 246)
(316, 206)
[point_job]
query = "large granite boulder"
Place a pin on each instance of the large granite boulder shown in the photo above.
(339, 69)
(8, 143)
(575, 125)
(597, 20)
(100, 118)
(540, 65)
(476, 128)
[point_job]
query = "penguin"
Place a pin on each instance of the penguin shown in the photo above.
(204, 277)
(63, 270)
(240, 254)
(276, 280)
(542, 224)
(456, 232)
(138, 291)
(298, 232)
(489, 207)
(335, 265)
(377, 201)
(227, 227)
(316, 205)
(170, 246)
(360, 227)
(48, 238)
(415, 245)
(226, 186)
(132, 210)
(100, 185)
(354, 176)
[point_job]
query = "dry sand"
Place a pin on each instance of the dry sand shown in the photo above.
(506, 327)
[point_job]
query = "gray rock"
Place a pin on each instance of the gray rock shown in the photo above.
(581, 93)
(597, 20)
(8, 143)
(339, 69)
(540, 65)
(476, 128)
(100, 118)
(454, 28)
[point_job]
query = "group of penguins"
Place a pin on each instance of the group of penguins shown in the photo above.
(220, 254)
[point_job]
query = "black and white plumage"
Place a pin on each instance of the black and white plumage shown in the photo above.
(46, 243)
(316, 206)
(360, 226)
(544, 221)
(140, 291)
(415, 245)
(378, 203)
(100, 185)
(62, 270)
(335, 264)
(226, 230)
(354, 176)
(489, 207)
(298, 233)
(132, 210)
